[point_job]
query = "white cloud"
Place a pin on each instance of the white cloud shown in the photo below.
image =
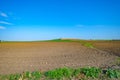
(3, 14)
(2, 27)
(4, 22)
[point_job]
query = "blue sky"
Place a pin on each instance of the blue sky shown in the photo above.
(50, 19)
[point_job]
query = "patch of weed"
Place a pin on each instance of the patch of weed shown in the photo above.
(87, 73)
(36, 75)
(14, 76)
(59, 73)
(88, 45)
(117, 61)
(113, 73)
(91, 72)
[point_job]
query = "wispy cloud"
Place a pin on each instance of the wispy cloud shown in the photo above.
(100, 25)
(4, 22)
(91, 25)
(3, 14)
(2, 27)
(79, 25)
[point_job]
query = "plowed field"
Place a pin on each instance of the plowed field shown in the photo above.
(16, 57)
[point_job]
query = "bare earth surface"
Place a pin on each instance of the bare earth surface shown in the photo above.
(109, 46)
(19, 57)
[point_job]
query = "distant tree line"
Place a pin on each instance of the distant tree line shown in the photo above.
(0, 41)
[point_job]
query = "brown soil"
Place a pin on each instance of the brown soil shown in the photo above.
(112, 47)
(19, 57)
